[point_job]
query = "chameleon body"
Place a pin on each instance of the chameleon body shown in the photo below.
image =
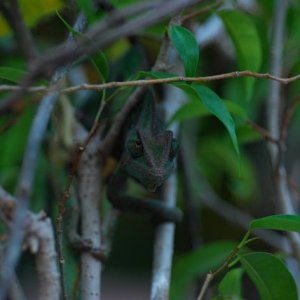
(147, 157)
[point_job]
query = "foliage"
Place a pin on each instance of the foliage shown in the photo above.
(225, 122)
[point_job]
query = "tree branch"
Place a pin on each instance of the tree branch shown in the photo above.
(147, 82)
(39, 239)
(26, 178)
(90, 43)
(274, 110)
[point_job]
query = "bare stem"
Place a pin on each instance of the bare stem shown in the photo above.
(275, 125)
(146, 82)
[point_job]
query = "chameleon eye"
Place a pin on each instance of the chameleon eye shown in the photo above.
(138, 143)
(136, 148)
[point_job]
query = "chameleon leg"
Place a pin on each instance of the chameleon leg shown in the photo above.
(160, 211)
(116, 193)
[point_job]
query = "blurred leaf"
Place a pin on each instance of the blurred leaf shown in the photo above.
(11, 74)
(277, 222)
(88, 8)
(33, 11)
(99, 59)
(247, 43)
(189, 110)
(270, 276)
(14, 140)
(247, 134)
(68, 26)
(156, 74)
(187, 47)
(117, 49)
(100, 62)
(230, 286)
(218, 164)
(194, 109)
(196, 263)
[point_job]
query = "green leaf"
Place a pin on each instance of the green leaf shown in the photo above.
(247, 44)
(230, 286)
(216, 106)
(197, 109)
(189, 110)
(277, 222)
(156, 74)
(100, 62)
(88, 8)
(199, 262)
(12, 74)
(187, 48)
(68, 26)
(213, 103)
(270, 276)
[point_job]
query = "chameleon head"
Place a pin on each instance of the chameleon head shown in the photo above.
(150, 156)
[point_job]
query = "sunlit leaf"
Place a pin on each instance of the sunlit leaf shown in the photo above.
(187, 48)
(270, 276)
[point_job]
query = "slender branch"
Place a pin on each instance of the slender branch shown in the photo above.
(200, 12)
(146, 82)
(211, 275)
(263, 132)
(275, 125)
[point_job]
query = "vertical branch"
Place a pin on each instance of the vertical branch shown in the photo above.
(26, 178)
(163, 248)
(274, 108)
(164, 236)
(89, 175)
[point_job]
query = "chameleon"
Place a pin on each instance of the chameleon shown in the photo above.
(148, 158)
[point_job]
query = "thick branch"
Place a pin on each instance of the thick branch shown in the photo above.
(39, 239)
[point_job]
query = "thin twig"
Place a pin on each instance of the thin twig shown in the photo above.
(146, 82)
(263, 132)
(202, 11)
(211, 275)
